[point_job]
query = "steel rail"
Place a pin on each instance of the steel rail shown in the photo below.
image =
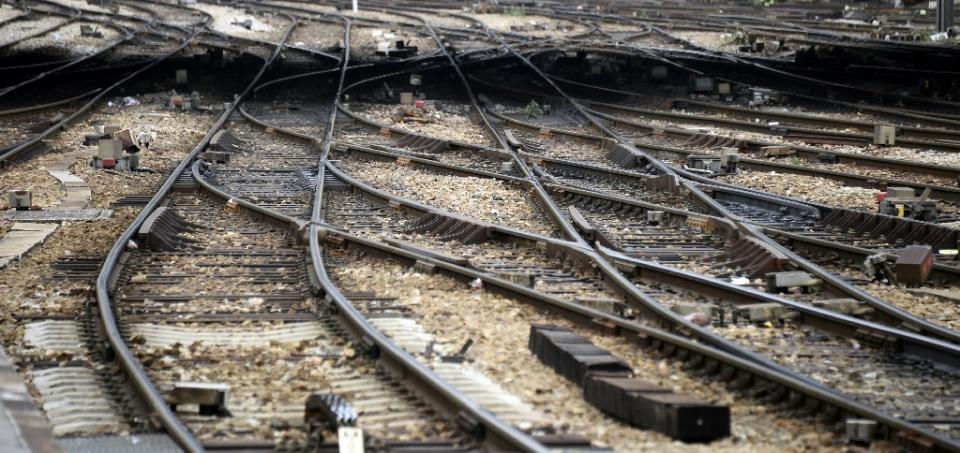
(790, 132)
(641, 333)
(831, 280)
(495, 430)
(913, 321)
(908, 425)
(893, 313)
(128, 362)
(21, 110)
(645, 301)
(110, 46)
(12, 152)
(946, 192)
(815, 81)
(873, 414)
(71, 19)
(919, 346)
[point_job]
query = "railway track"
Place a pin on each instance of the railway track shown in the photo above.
(375, 212)
(640, 237)
(668, 152)
(780, 219)
(270, 271)
(30, 126)
(311, 254)
(855, 169)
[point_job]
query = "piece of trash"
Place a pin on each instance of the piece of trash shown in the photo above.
(132, 245)
(740, 280)
(110, 104)
(130, 101)
(476, 284)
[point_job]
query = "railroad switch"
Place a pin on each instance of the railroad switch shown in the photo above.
(210, 398)
(903, 202)
(783, 281)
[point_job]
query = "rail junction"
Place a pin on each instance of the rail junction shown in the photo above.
(278, 225)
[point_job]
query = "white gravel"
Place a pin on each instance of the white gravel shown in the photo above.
(503, 23)
(487, 199)
(448, 121)
(262, 28)
(500, 326)
(810, 188)
(319, 36)
(68, 40)
(18, 29)
(7, 11)
(325, 9)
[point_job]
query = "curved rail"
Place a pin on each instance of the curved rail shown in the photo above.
(128, 362)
